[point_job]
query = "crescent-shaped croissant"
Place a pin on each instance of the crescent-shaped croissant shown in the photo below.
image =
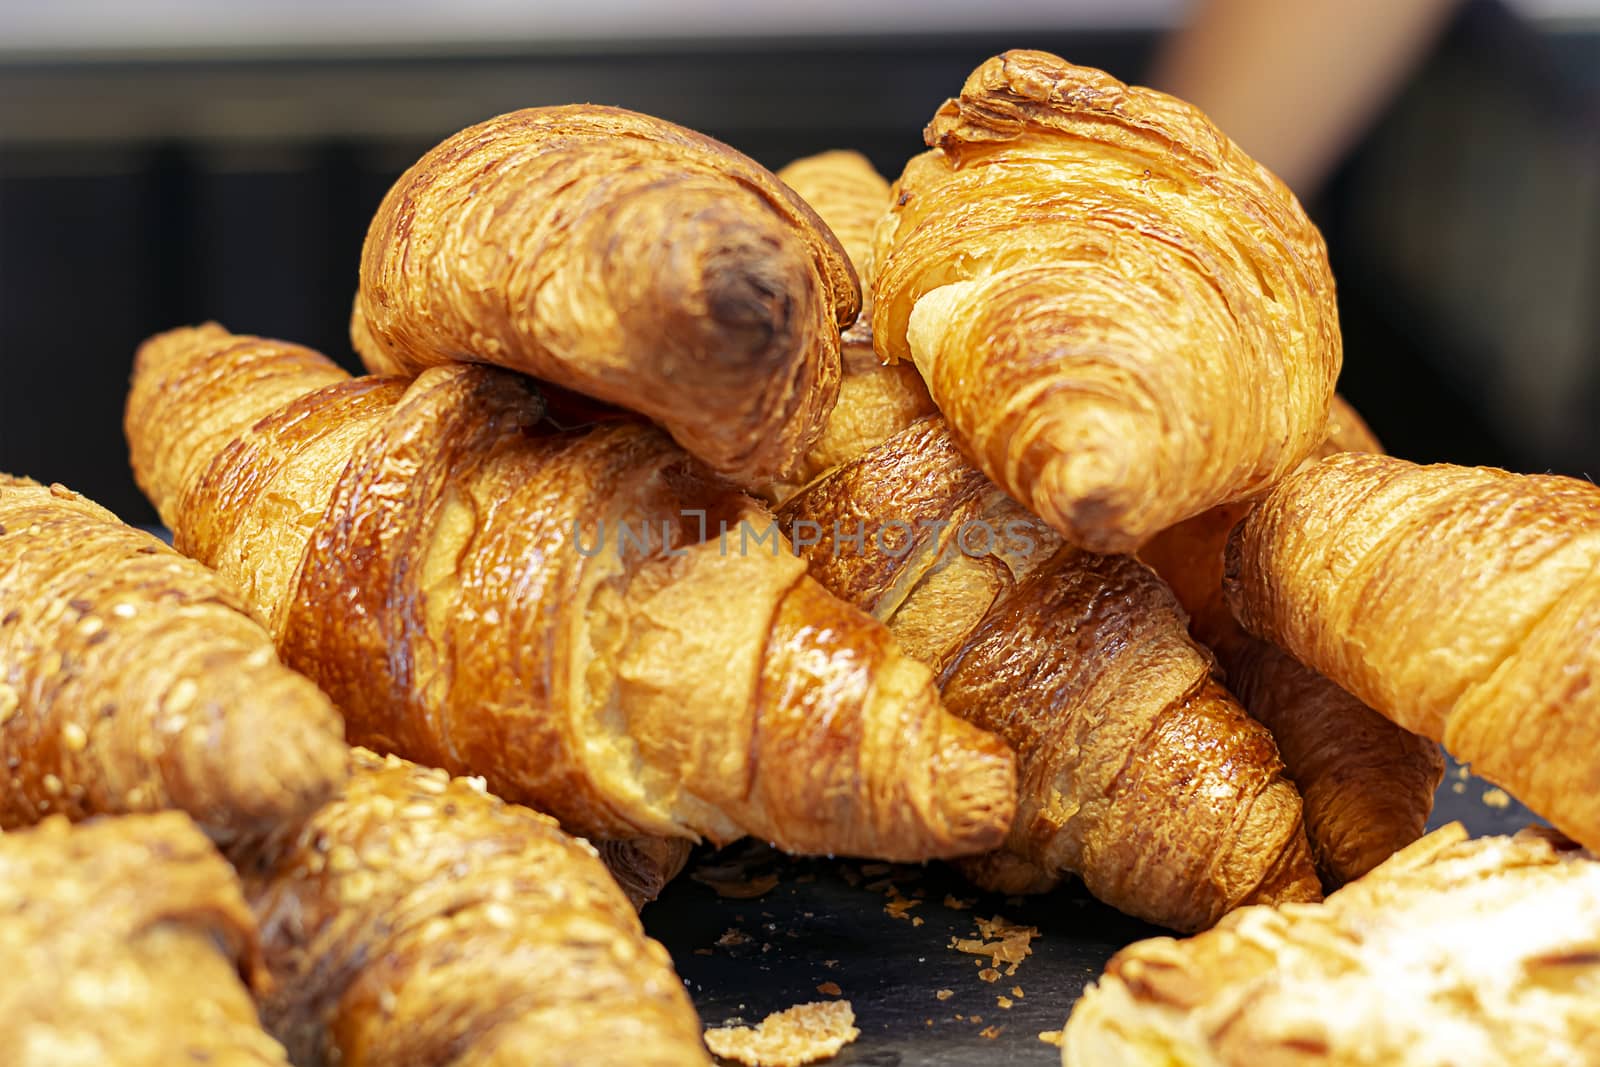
(1124, 318)
(133, 680)
(1460, 602)
(1368, 784)
(622, 257)
(1137, 770)
(588, 619)
(875, 398)
(417, 921)
(123, 942)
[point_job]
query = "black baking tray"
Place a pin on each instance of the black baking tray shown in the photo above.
(827, 921)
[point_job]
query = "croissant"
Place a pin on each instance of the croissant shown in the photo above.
(875, 399)
(642, 866)
(1460, 602)
(1124, 318)
(123, 942)
(587, 619)
(1367, 783)
(622, 257)
(1453, 952)
(1137, 770)
(132, 680)
(417, 921)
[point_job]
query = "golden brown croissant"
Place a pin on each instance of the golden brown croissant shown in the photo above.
(1453, 953)
(132, 680)
(1125, 319)
(1461, 602)
(417, 921)
(625, 258)
(122, 942)
(555, 611)
(1368, 784)
(875, 399)
(1137, 770)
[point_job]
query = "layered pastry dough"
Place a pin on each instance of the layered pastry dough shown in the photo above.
(133, 680)
(1368, 783)
(123, 942)
(557, 611)
(1453, 953)
(1125, 319)
(623, 257)
(1138, 771)
(416, 921)
(1461, 602)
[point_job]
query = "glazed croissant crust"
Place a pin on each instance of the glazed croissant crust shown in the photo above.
(133, 680)
(1137, 770)
(1124, 318)
(556, 611)
(1460, 602)
(1453, 952)
(623, 257)
(123, 942)
(1368, 783)
(417, 921)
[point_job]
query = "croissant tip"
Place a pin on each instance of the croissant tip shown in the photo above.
(977, 789)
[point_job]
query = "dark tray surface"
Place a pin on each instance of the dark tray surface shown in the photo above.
(891, 970)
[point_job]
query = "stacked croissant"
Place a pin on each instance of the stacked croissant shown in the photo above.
(1005, 516)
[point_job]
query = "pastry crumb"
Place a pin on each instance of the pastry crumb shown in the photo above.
(733, 936)
(1496, 798)
(955, 903)
(990, 1032)
(1051, 1037)
(795, 1036)
(944, 994)
(989, 974)
(1016, 991)
(830, 989)
(740, 888)
(1004, 1002)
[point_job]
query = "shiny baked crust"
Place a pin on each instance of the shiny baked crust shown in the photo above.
(1460, 602)
(1124, 318)
(134, 680)
(1137, 770)
(123, 941)
(1471, 953)
(1368, 784)
(417, 921)
(623, 257)
(454, 574)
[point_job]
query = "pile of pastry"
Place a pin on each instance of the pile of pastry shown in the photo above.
(1006, 516)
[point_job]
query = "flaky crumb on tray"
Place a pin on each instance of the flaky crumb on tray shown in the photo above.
(802, 1034)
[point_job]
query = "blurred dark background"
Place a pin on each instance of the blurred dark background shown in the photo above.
(158, 170)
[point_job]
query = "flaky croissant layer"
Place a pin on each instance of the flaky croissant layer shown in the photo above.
(1460, 602)
(1125, 319)
(417, 921)
(454, 573)
(1137, 770)
(1453, 953)
(623, 257)
(123, 942)
(134, 680)
(1368, 783)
